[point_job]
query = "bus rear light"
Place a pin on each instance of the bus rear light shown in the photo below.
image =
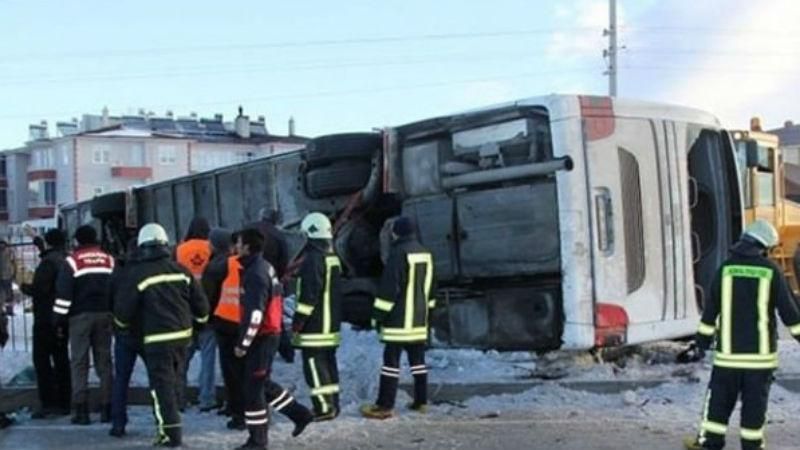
(610, 325)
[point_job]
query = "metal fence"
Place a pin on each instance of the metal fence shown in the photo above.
(20, 307)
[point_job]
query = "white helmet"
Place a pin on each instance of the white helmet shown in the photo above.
(763, 232)
(317, 226)
(152, 234)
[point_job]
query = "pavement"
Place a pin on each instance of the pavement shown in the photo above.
(596, 430)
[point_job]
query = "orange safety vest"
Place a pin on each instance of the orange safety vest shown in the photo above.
(194, 254)
(228, 306)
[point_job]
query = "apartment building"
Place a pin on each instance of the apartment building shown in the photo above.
(102, 153)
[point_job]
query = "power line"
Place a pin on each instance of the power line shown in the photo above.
(330, 93)
(289, 44)
(272, 67)
(731, 71)
(712, 51)
(714, 30)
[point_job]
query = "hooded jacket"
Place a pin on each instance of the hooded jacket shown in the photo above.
(217, 269)
(276, 249)
(43, 287)
(195, 251)
(740, 312)
(163, 295)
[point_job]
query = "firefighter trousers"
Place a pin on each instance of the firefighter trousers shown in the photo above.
(390, 373)
(165, 368)
(724, 389)
(257, 364)
(322, 375)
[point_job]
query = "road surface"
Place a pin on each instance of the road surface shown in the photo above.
(593, 430)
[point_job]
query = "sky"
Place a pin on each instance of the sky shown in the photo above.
(358, 64)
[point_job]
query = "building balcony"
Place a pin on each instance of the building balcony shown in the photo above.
(36, 175)
(138, 173)
(41, 212)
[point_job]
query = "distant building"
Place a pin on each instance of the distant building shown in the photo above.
(789, 137)
(102, 153)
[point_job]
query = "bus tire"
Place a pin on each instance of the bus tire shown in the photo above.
(343, 177)
(328, 149)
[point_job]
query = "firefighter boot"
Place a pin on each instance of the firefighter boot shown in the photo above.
(691, 443)
(257, 440)
(81, 415)
(421, 408)
(172, 437)
(299, 415)
(376, 412)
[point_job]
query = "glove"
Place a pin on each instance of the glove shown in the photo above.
(691, 354)
(239, 352)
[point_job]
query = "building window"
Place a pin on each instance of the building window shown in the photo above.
(3, 200)
(65, 154)
(167, 155)
(3, 172)
(101, 154)
(99, 190)
(137, 155)
(41, 193)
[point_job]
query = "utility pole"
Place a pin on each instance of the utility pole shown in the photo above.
(611, 51)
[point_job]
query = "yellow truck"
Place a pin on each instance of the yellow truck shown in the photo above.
(762, 176)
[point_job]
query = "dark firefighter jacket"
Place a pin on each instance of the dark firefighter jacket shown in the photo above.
(261, 302)
(276, 249)
(163, 295)
(82, 284)
(740, 313)
(43, 287)
(405, 293)
(317, 318)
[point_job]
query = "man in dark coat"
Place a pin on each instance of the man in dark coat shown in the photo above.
(50, 343)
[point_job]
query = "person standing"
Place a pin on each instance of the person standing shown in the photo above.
(276, 252)
(127, 346)
(50, 344)
(740, 314)
(401, 310)
(258, 340)
(194, 254)
(166, 300)
(82, 302)
(317, 318)
(8, 270)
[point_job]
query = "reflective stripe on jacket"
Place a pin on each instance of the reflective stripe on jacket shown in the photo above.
(405, 294)
(740, 312)
(317, 318)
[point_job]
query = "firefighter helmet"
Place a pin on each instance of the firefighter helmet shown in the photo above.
(317, 226)
(762, 232)
(152, 234)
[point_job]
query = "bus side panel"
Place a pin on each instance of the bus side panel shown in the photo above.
(575, 235)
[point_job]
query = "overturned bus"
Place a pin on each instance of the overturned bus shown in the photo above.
(566, 222)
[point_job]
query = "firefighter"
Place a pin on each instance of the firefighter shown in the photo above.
(405, 297)
(50, 346)
(258, 340)
(166, 300)
(317, 317)
(194, 253)
(82, 301)
(5, 421)
(740, 314)
(228, 321)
